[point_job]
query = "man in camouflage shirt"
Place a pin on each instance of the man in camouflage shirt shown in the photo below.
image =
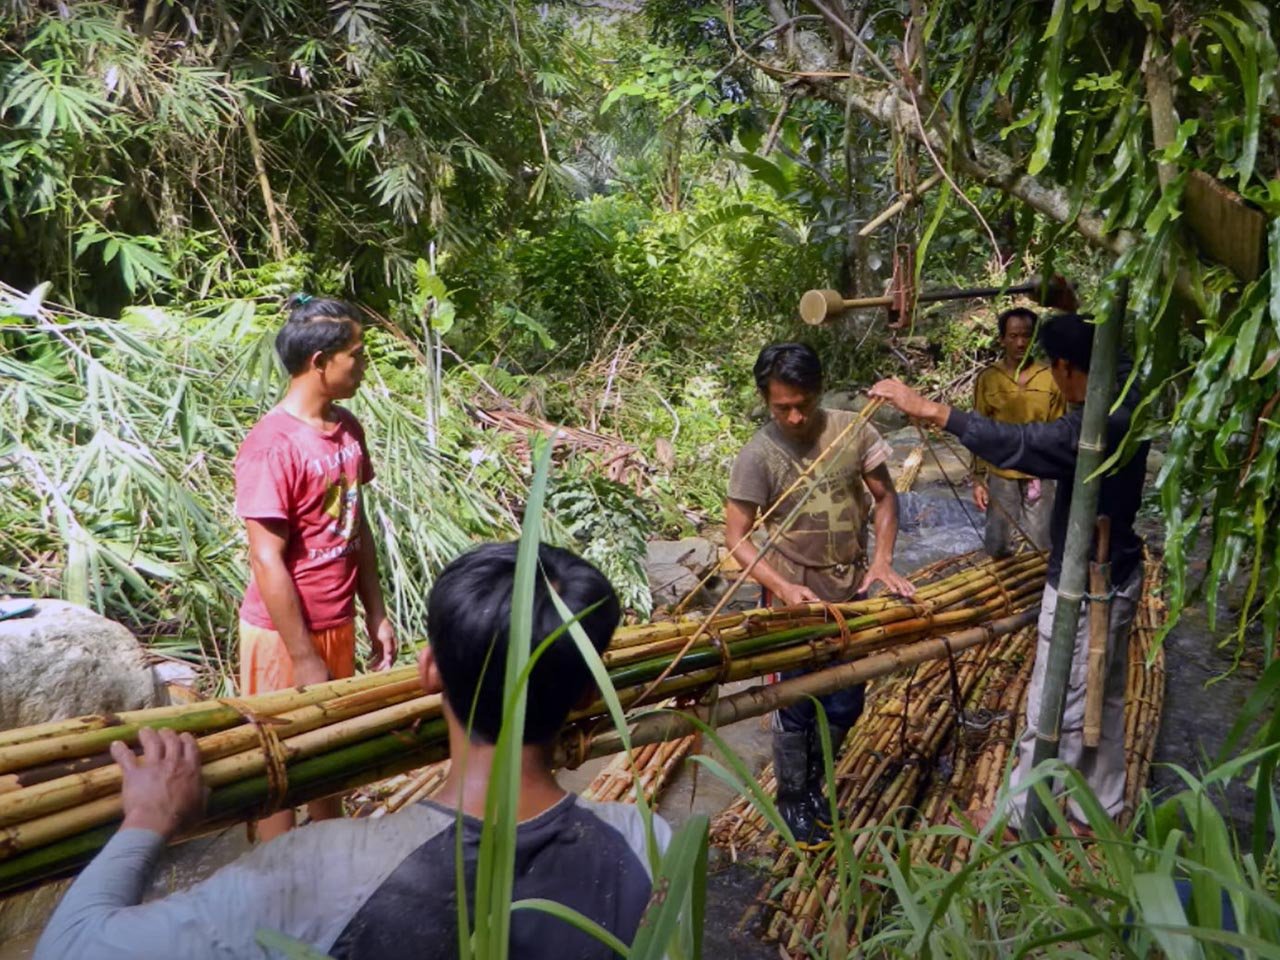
(822, 554)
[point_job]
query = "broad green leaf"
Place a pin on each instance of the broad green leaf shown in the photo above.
(576, 919)
(1161, 912)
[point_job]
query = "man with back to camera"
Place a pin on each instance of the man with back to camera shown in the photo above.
(1015, 390)
(1049, 450)
(821, 556)
(386, 888)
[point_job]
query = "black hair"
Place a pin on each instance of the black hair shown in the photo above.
(795, 364)
(314, 325)
(1002, 321)
(468, 619)
(1068, 336)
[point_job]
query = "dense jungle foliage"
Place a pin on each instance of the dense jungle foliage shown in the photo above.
(597, 213)
(594, 213)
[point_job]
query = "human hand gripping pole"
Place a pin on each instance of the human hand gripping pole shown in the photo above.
(161, 791)
(898, 394)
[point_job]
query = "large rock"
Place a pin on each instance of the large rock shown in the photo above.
(886, 419)
(63, 661)
(675, 567)
(66, 660)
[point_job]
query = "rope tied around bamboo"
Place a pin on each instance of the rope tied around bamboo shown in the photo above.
(835, 614)
(273, 755)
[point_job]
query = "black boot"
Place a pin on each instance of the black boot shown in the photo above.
(794, 796)
(820, 803)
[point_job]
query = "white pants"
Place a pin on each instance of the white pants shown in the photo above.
(1104, 766)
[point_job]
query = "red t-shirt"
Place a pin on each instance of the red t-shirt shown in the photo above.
(288, 470)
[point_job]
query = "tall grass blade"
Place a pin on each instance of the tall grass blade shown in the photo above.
(495, 868)
(678, 887)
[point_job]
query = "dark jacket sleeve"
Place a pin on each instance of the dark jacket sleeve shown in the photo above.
(1045, 450)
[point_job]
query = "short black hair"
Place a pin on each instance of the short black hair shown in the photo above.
(468, 619)
(795, 364)
(315, 325)
(1068, 336)
(1002, 321)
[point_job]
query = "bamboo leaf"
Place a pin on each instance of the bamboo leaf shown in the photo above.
(495, 868)
(573, 917)
(1051, 85)
(1162, 913)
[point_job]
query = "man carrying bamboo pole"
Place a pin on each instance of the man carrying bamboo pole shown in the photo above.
(1014, 390)
(1049, 450)
(821, 555)
(388, 887)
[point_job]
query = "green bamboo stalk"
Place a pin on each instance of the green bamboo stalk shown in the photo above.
(1075, 553)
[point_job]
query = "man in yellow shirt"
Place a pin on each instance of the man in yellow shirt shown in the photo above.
(1015, 390)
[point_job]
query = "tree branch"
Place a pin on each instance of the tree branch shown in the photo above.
(985, 163)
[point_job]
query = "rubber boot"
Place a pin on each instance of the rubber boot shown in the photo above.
(795, 804)
(821, 805)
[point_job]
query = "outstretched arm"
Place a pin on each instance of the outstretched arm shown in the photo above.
(1045, 450)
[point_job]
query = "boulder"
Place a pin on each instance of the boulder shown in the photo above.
(61, 661)
(64, 660)
(675, 567)
(886, 419)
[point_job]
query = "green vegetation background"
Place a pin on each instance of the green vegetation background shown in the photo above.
(596, 213)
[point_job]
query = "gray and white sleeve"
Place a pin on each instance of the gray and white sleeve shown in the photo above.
(307, 884)
(99, 915)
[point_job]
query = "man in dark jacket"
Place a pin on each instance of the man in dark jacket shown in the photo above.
(1049, 450)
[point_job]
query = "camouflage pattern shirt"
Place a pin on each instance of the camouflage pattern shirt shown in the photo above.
(825, 547)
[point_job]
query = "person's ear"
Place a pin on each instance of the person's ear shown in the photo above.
(429, 672)
(317, 360)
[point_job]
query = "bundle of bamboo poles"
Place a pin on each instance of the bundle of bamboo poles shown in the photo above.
(59, 790)
(653, 763)
(396, 793)
(912, 759)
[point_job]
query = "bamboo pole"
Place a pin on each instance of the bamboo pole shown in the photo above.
(55, 794)
(757, 701)
(1099, 631)
(1084, 508)
(82, 736)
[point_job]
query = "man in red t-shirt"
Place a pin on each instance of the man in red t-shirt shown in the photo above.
(298, 479)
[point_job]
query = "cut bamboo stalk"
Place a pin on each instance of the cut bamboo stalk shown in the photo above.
(83, 736)
(330, 742)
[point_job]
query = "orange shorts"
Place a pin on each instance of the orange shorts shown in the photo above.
(265, 664)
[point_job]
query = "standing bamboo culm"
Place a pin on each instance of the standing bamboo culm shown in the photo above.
(1075, 554)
